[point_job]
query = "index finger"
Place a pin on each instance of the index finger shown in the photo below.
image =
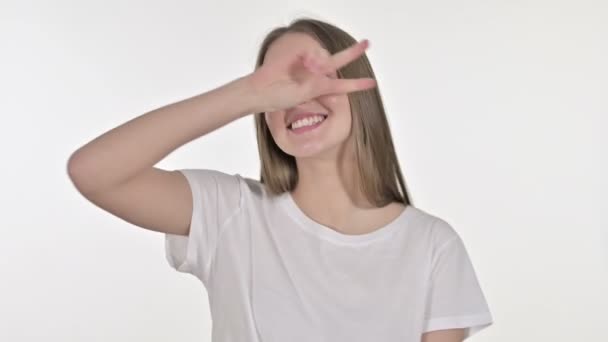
(342, 58)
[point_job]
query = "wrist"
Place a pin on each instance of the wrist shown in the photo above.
(248, 94)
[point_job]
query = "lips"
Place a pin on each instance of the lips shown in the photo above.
(290, 118)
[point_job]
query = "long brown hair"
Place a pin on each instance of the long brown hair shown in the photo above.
(377, 162)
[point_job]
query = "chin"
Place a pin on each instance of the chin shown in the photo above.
(315, 149)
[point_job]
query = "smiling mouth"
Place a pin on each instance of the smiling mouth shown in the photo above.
(290, 126)
(303, 130)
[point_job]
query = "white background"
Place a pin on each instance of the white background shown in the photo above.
(498, 112)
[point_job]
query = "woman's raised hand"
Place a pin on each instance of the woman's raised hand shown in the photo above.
(307, 76)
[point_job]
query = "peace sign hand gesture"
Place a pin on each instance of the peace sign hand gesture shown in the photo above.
(306, 77)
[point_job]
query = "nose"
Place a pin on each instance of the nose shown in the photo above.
(312, 105)
(306, 104)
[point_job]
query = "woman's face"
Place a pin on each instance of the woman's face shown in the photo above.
(325, 140)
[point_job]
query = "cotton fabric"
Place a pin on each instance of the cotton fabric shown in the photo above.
(274, 274)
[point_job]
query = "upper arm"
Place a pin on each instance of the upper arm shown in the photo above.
(155, 199)
(446, 335)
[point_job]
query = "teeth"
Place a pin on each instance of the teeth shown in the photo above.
(307, 121)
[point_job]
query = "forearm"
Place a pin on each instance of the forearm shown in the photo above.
(121, 153)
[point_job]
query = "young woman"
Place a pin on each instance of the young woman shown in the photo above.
(327, 245)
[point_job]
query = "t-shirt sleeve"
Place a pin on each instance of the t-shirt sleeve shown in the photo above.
(216, 198)
(455, 298)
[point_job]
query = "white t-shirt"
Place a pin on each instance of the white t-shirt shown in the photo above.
(273, 274)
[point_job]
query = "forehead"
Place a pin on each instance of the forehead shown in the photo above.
(290, 44)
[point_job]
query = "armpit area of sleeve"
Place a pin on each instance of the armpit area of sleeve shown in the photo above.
(471, 323)
(181, 251)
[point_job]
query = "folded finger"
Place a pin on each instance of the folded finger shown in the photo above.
(319, 65)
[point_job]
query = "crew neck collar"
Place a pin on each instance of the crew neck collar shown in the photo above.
(327, 233)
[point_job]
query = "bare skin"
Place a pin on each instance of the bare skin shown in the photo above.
(326, 189)
(445, 335)
(116, 172)
(326, 186)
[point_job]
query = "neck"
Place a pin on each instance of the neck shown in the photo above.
(329, 191)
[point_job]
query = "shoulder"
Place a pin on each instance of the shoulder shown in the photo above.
(223, 179)
(436, 230)
(256, 192)
(210, 176)
(253, 187)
